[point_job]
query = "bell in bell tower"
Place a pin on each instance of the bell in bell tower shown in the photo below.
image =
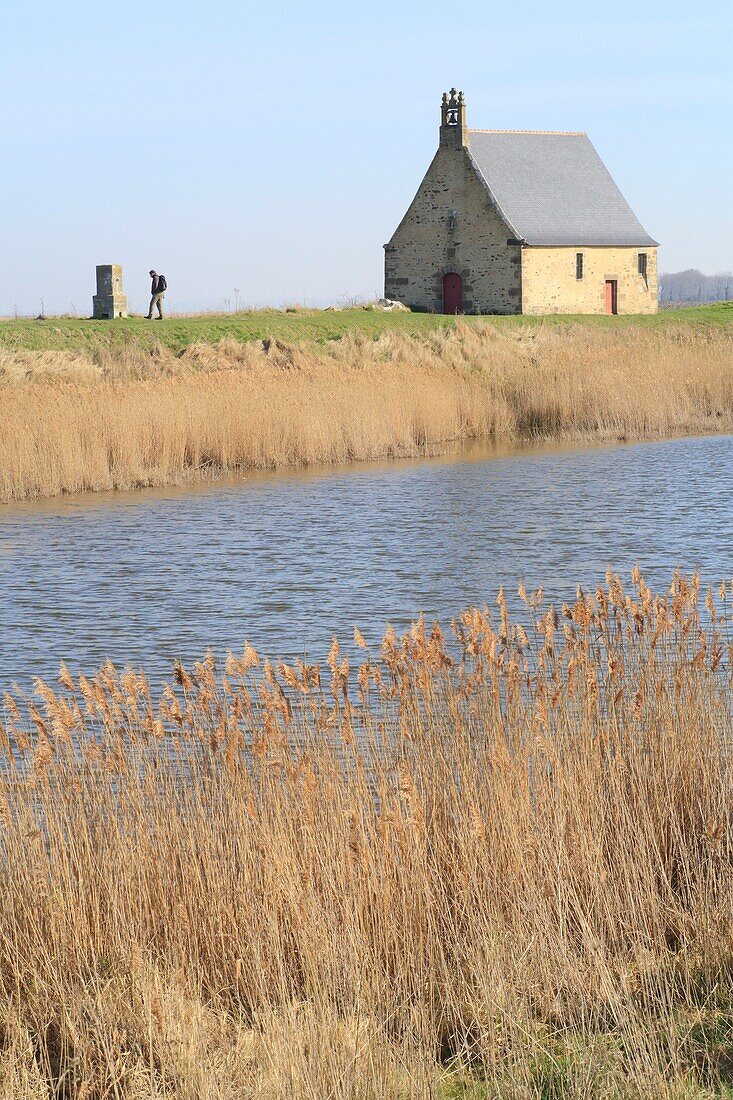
(453, 129)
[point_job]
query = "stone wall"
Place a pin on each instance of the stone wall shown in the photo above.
(549, 283)
(429, 243)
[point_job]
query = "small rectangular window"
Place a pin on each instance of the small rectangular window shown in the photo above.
(642, 264)
(578, 265)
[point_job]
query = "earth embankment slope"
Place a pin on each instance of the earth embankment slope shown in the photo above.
(105, 407)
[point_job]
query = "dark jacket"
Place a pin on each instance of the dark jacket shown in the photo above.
(154, 284)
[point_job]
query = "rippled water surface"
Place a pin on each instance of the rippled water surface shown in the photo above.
(286, 560)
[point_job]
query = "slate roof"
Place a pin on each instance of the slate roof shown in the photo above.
(554, 189)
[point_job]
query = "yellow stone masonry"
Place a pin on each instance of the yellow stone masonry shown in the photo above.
(549, 283)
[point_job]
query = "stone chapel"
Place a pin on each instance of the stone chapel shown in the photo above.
(514, 221)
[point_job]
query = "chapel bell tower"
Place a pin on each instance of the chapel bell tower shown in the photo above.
(453, 129)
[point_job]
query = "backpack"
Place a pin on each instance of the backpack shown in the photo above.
(162, 284)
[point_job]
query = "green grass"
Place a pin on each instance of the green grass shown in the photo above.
(571, 1065)
(177, 333)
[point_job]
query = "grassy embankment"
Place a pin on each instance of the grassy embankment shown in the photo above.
(296, 326)
(507, 877)
(101, 405)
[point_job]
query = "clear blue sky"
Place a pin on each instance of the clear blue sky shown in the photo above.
(273, 147)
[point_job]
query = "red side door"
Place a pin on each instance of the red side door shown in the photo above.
(611, 296)
(452, 293)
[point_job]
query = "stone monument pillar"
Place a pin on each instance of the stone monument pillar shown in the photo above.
(109, 301)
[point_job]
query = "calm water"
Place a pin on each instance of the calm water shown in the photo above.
(284, 561)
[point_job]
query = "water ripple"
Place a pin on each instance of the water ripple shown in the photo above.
(286, 560)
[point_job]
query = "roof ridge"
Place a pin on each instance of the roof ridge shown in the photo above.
(560, 133)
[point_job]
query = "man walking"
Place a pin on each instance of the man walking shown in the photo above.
(157, 292)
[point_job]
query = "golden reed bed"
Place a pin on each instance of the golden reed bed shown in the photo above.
(496, 864)
(70, 423)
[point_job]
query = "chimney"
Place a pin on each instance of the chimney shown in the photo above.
(453, 129)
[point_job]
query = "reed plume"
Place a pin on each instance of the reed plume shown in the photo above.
(494, 861)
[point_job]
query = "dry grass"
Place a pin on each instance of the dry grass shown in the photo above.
(72, 421)
(498, 866)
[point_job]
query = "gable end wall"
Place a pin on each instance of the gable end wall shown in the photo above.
(424, 248)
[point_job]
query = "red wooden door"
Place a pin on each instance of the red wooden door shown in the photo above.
(611, 296)
(452, 293)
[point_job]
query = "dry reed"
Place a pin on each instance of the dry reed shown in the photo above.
(498, 866)
(70, 423)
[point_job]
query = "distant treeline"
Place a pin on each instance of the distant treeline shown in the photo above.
(693, 286)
